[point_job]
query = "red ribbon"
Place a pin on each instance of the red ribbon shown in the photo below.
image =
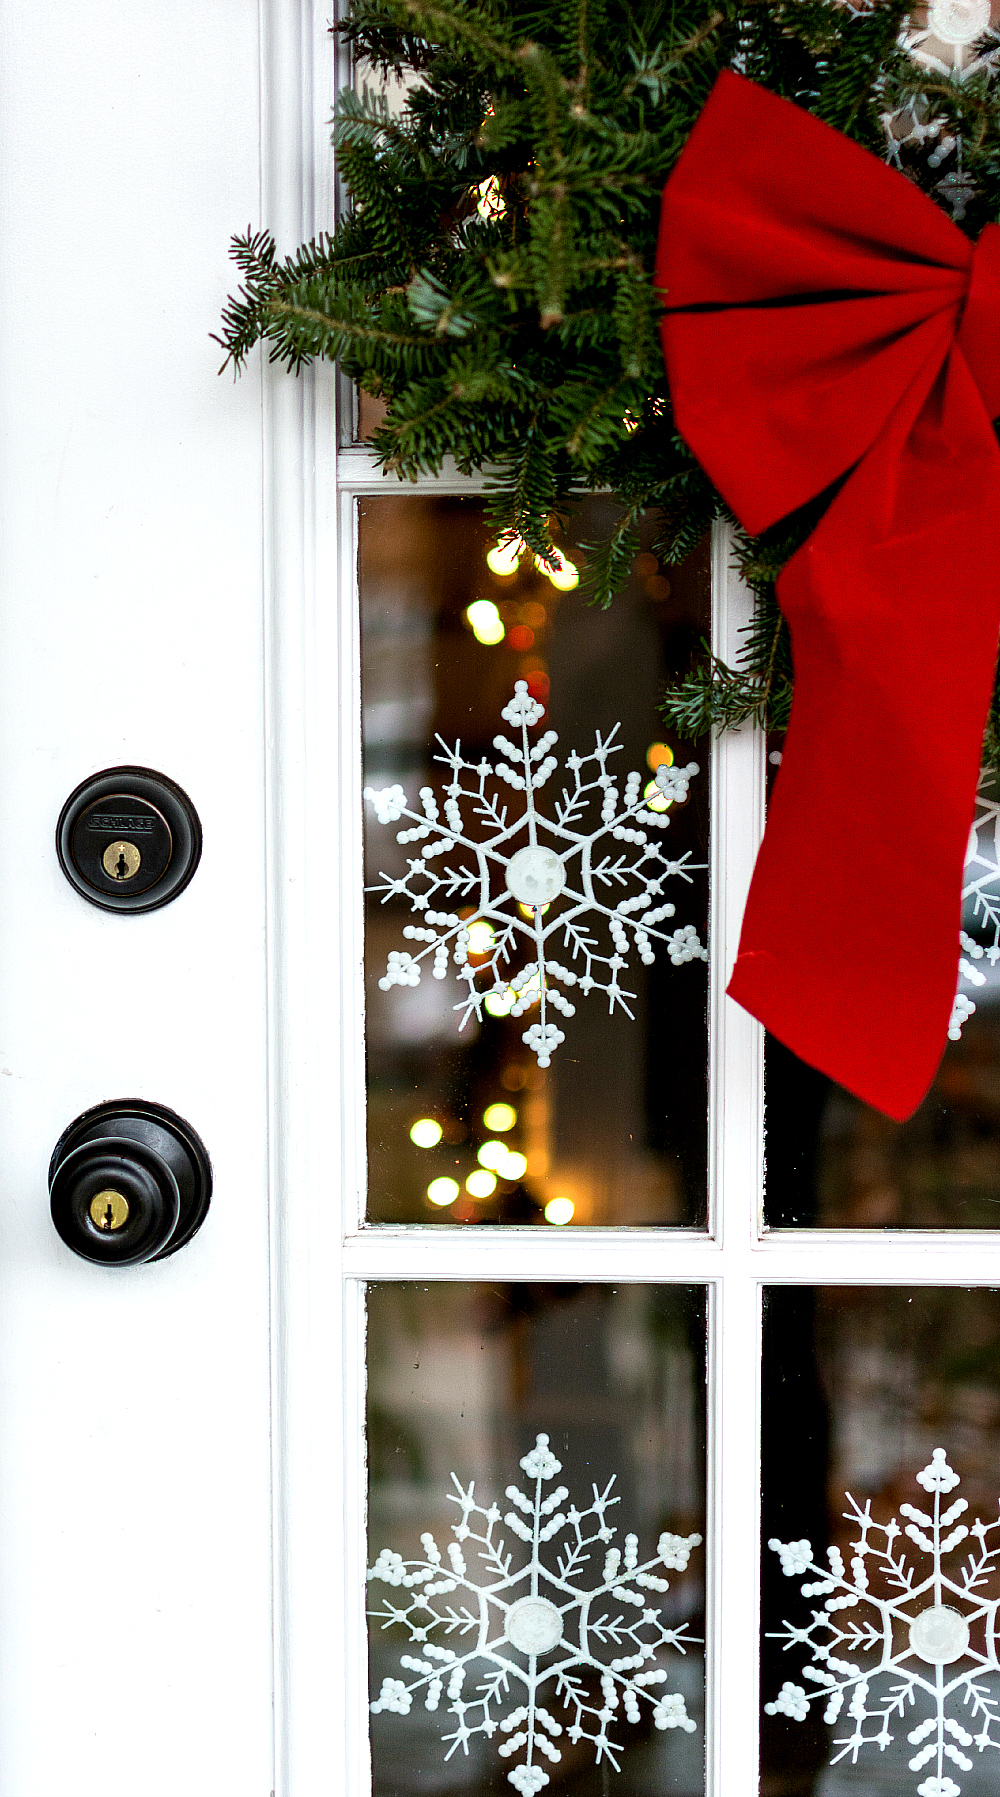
(826, 320)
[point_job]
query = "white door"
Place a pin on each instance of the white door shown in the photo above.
(182, 1471)
(135, 1444)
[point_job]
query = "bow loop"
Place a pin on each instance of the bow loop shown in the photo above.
(826, 323)
(979, 335)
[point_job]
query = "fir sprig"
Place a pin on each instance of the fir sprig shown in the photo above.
(492, 281)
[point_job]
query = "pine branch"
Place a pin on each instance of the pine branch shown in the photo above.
(492, 280)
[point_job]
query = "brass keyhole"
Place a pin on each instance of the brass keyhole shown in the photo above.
(109, 1209)
(121, 860)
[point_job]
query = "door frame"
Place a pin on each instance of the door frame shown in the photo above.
(322, 1252)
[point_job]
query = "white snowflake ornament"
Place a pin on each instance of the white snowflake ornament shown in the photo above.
(514, 1632)
(954, 40)
(535, 884)
(914, 1624)
(980, 955)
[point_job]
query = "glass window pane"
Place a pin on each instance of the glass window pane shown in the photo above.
(606, 1121)
(881, 1584)
(536, 1485)
(836, 1163)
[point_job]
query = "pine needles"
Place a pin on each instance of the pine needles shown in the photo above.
(492, 281)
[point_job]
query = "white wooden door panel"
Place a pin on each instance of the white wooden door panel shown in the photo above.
(135, 1512)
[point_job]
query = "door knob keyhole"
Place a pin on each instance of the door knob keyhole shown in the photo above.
(109, 1209)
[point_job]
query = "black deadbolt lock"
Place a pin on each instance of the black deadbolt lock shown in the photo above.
(129, 1181)
(128, 839)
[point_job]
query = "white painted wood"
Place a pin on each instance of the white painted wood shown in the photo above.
(733, 1554)
(737, 1041)
(308, 901)
(135, 1519)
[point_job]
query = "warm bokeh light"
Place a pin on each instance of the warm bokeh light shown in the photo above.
(481, 1184)
(500, 1116)
(426, 1132)
(492, 1155)
(499, 1004)
(490, 203)
(564, 576)
(659, 755)
(515, 1165)
(655, 799)
(443, 1191)
(529, 910)
(503, 558)
(485, 621)
(481, 937)
(559, 1211)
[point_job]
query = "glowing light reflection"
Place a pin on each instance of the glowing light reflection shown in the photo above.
(443, 1191)
(500, 1116)
(655, 799)
(503, 558)
(559, 1211)
(485, 621)
(481, 937)
(481, 1184)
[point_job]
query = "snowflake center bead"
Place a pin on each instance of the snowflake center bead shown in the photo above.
(534, 1625)
(958, 21)
(535, 876)
(939, 1635)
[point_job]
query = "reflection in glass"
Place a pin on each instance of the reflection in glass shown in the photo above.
(464, 1380)
(613, 1130)
(891, 1395)
(836, 1163)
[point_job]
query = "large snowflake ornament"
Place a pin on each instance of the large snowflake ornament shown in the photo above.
(540, 885)
(495, 1638)
(923, 1644)
(980, 953)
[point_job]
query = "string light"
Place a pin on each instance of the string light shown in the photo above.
(485, 621)
(481, 1184)
(492, 1155)
(564, 576)
(655, 799)
(559, 1211)
(503, 558)
(502, 1160)
(500, 1116)
(481, 937)
(659, 755)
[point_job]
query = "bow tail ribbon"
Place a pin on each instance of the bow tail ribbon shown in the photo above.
(805, 348)
(849, 948)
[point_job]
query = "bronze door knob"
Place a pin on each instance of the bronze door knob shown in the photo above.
(129, 1181)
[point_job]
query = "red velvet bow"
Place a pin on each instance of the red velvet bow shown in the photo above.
(826, 320)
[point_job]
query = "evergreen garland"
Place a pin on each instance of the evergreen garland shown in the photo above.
(492, 280)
